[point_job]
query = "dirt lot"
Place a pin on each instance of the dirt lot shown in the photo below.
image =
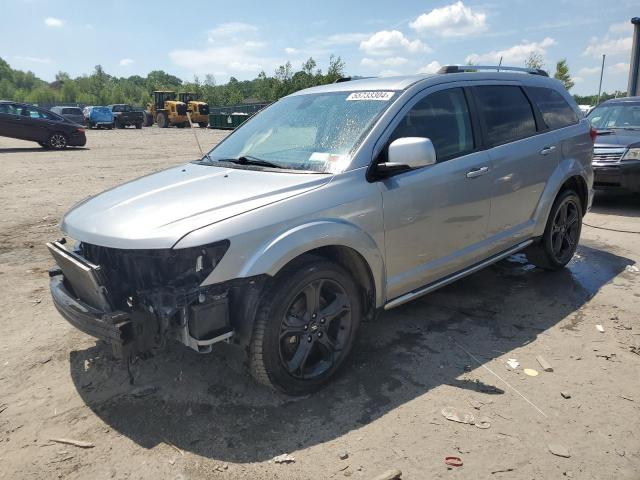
(192, 417)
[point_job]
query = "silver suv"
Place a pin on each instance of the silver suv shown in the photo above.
(327, 206)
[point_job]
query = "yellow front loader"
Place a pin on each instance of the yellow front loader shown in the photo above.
(166, 111)
(199, 111)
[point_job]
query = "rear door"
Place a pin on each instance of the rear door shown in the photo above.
(522, 157)
(436, 217)
(10, 120)
(39, 124)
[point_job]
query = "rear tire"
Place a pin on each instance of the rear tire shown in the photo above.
(203, 124)
(561, 235)
(305, 326)
(57, 141)
(162, 120)
(139, 125)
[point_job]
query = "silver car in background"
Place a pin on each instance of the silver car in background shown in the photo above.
(73, 114)
(329, 205)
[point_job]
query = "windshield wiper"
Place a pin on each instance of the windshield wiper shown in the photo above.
(249, 160)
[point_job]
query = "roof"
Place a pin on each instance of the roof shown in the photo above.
(404, 82)
(623, 100)
(374, 83)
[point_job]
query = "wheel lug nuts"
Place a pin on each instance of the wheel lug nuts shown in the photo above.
(322, 320)
(306, 327)
(313, 316)
(319, 334)
(309, 338)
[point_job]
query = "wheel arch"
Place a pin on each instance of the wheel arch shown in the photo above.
(339, 241)
(570, 174)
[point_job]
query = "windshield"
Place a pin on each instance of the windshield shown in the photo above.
(316, 133)
(101, 109)
(617, 115)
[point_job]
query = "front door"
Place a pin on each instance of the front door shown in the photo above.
(436, 217)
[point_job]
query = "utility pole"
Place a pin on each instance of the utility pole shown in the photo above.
(601, 72)
(633, 88)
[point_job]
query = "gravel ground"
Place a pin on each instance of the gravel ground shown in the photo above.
(193, 417)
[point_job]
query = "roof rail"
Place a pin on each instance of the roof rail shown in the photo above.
(475, 68)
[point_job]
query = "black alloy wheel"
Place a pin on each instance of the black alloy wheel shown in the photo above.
(305, 326)
(561, 235)
(315, 328)
(565, 231)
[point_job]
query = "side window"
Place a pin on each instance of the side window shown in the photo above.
(442, 117)
(48, 115)
(31, 112)
(555, 110)
(506, 113)
(9, 109)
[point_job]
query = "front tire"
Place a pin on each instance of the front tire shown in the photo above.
(305, 326)
(57, 141)
(561, 235)
(162, 120)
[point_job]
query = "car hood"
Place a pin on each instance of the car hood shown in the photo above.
(157, 210)
(618, 139)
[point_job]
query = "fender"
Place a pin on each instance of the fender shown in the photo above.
(271, 256)
(566, 169)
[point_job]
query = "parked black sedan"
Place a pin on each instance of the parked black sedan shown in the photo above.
(616, 152)
(26, 122)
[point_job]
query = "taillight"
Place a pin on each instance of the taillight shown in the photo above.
(80, 130)
(594, 134)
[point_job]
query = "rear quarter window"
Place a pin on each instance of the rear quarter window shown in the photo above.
(506, 113)
(556, 112)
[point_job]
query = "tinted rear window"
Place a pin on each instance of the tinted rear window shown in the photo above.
(506, 112)
(555, 110)
(71, 111)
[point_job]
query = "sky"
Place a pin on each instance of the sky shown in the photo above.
(374, 38)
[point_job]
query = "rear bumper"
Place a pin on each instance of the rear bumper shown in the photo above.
(78, 140)
(622, 176)
(114, 328)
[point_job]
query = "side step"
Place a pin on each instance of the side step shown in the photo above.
(456, 276)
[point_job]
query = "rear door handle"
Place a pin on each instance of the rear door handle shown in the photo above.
(547, 150)
(477, 172)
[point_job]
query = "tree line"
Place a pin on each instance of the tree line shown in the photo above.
(100, 88)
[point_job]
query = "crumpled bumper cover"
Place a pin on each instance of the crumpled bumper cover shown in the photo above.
(114, 328)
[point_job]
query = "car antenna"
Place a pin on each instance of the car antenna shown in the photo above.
(195, 134)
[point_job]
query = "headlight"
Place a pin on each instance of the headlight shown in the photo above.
(632, 154)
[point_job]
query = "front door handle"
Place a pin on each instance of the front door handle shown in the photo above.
(477, 172)
(547, 150)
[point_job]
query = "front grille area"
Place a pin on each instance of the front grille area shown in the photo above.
(129, 273)
(607, 157)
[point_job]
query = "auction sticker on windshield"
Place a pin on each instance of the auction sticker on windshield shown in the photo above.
(383, 96)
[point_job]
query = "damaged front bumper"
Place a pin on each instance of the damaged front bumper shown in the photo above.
(122, 302)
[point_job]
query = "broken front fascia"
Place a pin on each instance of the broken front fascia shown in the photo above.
(154, 295)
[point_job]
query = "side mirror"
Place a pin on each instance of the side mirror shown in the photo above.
(407, 153)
